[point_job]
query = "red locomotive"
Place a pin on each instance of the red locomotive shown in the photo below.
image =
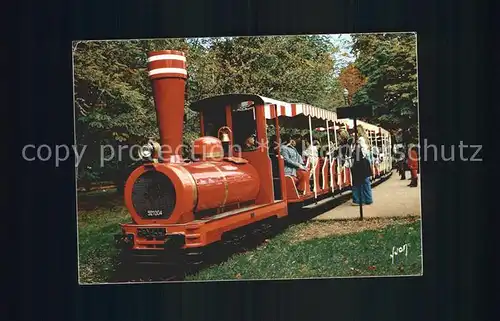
(190, 204)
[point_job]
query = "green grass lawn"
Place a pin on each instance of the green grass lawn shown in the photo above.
(365, 253)
(97, 225)
(305, 250)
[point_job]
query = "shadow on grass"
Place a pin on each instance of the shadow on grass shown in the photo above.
(100, 199)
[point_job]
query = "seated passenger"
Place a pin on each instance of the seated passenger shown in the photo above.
(311, 152)
(347, 153)
(375, 153)
(332, 150)
(298, 143)
(272, 146)
(249, 145)
(343, 149)
(294, 165)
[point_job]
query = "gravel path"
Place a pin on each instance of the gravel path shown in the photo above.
(392, 198)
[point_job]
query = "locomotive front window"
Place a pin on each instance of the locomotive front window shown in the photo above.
(244, 130)
(213, 120)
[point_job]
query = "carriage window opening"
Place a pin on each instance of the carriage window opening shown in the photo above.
(272, 140)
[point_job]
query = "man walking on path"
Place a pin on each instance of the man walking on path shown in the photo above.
(413, 166)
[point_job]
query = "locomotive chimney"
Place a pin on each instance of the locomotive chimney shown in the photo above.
(168, 74)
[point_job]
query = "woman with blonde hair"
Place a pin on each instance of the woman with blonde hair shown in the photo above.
(343, 136)
(364, 141)
(343, 146)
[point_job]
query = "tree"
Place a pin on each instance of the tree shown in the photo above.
(292, 68)
(389, 62)
(113, 99)
(113, 96)
(351, 79)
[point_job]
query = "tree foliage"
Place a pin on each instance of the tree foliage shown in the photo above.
(389, 61)
(114, 103)
(113, 97)
(294, 68)
(351, 79)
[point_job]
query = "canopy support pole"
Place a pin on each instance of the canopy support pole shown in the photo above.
(339, 184)
(329, 154)
(384, 147)
(313, 166)
(372, 134)
(278, 150)
(386, 152)
(355, 142)
(390, 154)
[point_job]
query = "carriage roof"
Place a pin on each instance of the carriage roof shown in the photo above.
(366, 126)
(296, 114)
(289, 114)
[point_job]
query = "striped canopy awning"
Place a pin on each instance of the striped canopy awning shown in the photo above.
(293, 110)
(273, 108)
(322, 129)
(292, 115)
(366, 126)
(347, 122)
(369, 127)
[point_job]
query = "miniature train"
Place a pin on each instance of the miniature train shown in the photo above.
(189, 204)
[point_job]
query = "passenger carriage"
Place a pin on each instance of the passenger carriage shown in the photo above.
(245, 114)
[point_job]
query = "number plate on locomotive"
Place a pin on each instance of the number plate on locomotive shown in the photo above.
(152, 233)
(154, 213)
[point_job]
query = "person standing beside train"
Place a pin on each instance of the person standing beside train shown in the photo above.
(361, 170)
(401, 162)
(413, 166)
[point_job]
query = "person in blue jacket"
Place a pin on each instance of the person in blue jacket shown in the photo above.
(294, 164)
